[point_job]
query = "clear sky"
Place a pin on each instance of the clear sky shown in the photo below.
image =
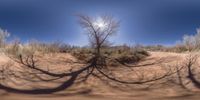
(142, 21)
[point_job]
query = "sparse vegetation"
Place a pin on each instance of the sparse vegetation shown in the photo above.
(99, 30)
(120, 53)
(178, 48)
(3, 36)
(189, 43)
(99, 50)
(100, 61)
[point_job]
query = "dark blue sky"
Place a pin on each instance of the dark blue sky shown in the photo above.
(142, 21)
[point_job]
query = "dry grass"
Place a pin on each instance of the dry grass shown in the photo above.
(176, 48)
(122, 54)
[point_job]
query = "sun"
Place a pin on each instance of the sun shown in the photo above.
(99, 23)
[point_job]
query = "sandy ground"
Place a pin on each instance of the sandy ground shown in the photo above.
(95, 89)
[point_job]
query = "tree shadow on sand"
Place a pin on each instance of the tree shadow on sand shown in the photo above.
(33, 73)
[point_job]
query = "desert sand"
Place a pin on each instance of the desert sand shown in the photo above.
(96, 89)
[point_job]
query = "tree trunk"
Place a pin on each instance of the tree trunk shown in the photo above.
(98, 51)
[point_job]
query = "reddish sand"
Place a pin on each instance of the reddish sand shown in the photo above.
(96, 89)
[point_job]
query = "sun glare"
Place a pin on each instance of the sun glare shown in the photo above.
(100, 23)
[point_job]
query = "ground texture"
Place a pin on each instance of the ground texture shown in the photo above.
(101, 88)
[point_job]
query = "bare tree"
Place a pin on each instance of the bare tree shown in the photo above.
(3, 35)
(192, 41)
(99, 30)
(189, 41)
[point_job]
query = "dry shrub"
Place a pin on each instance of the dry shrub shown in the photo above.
(4, 34)
(188, 43)
(16, 49)
(178, 48)
(44, 47)
(132, 57)
(114, 54)
(82, 54)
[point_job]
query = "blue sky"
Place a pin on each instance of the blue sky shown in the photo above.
(142, 21)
